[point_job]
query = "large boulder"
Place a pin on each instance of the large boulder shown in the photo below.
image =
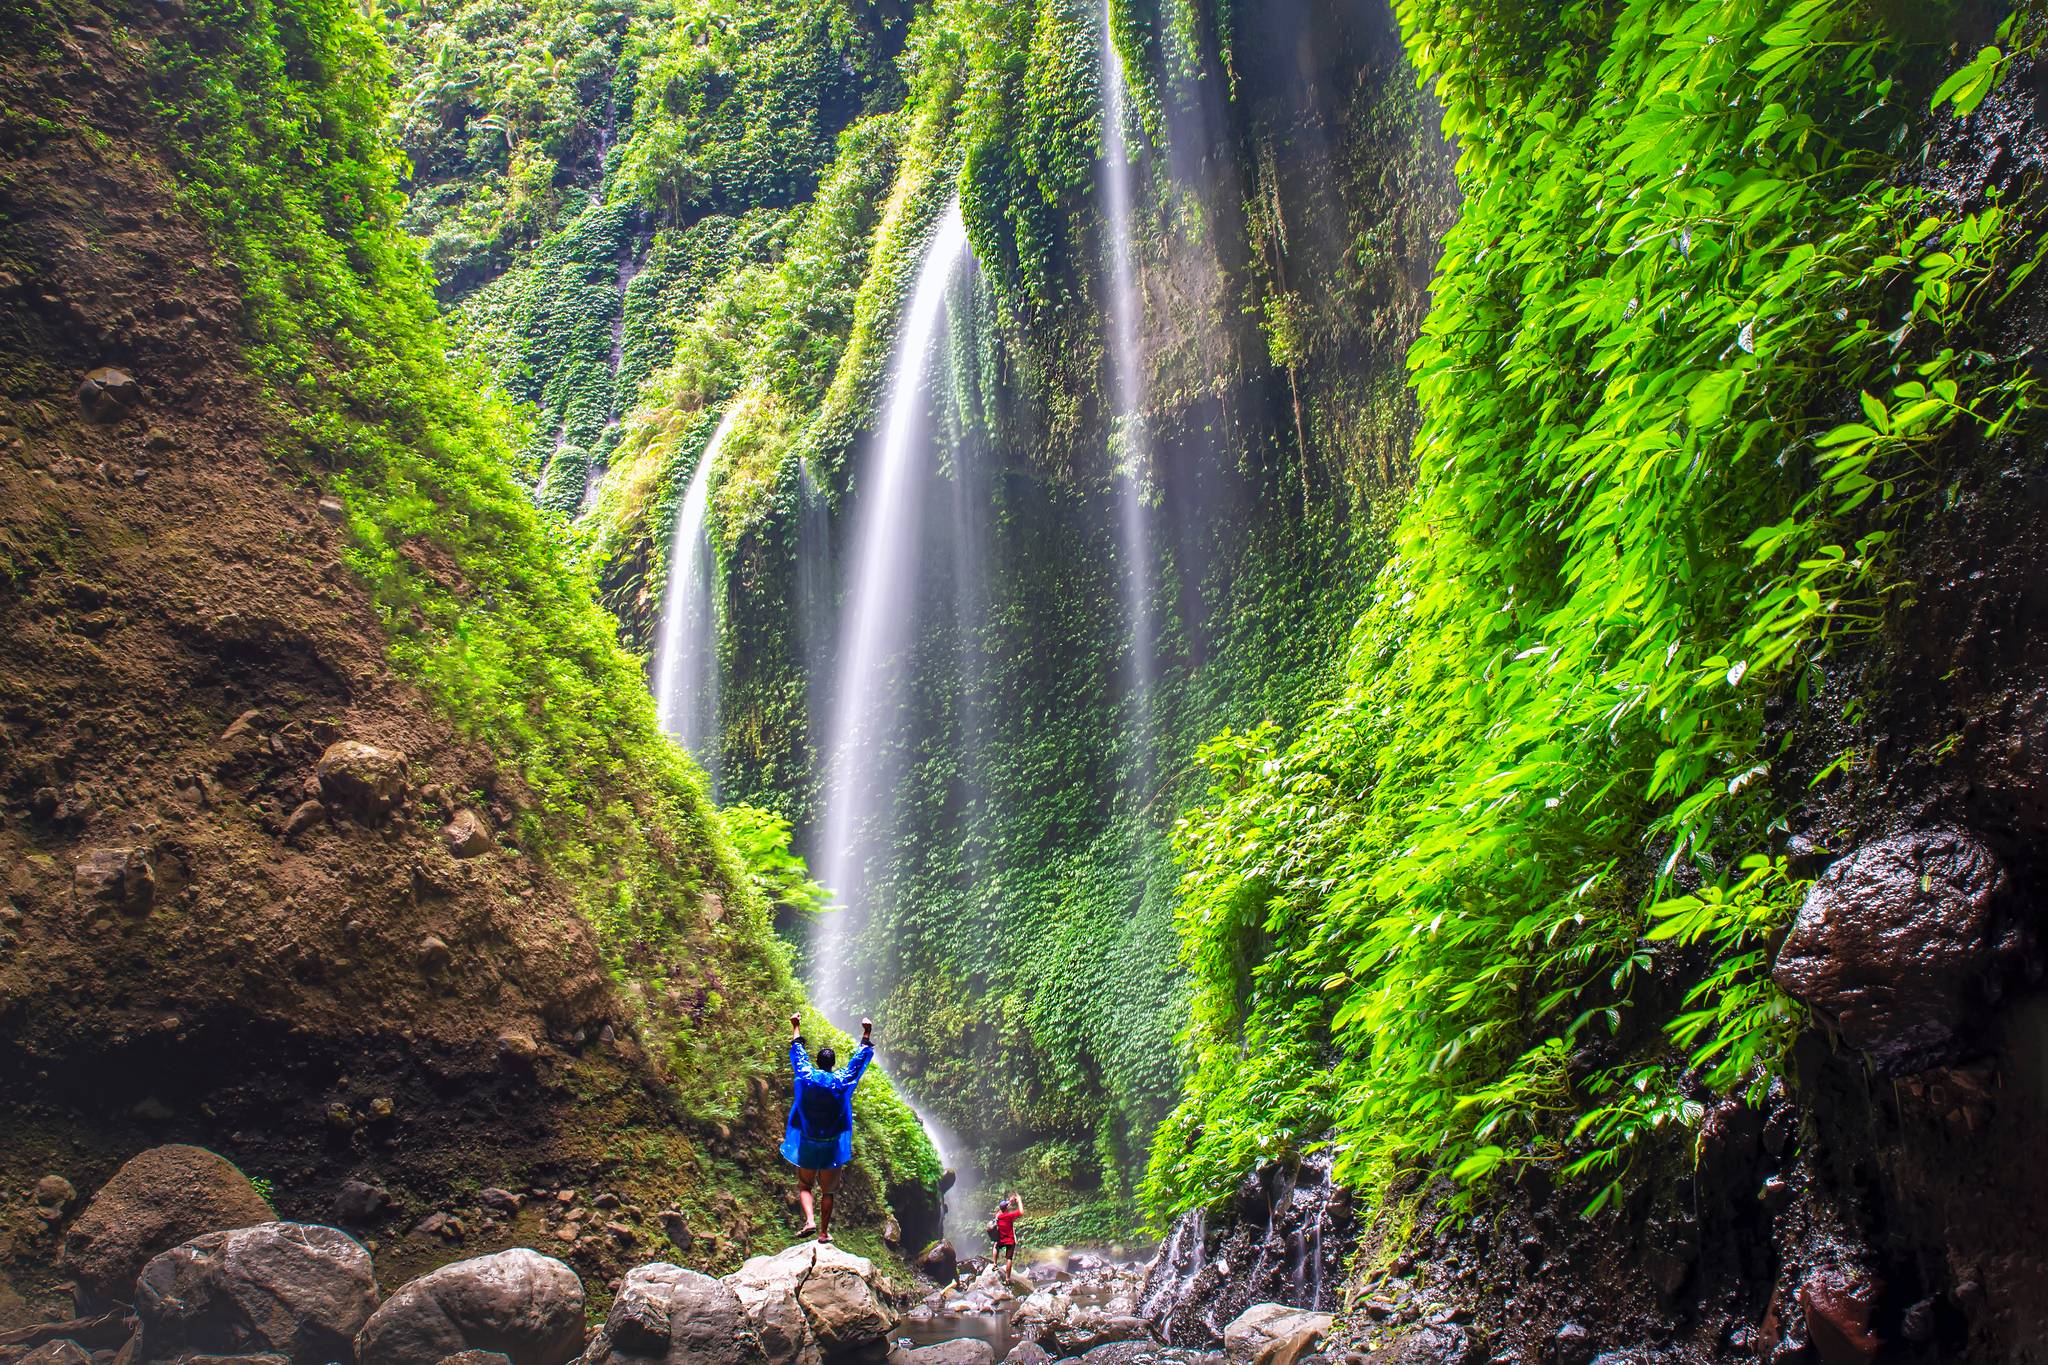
(362, 779)
(815, 1302)
(1431, 1343)
(939, 1263)
(664, 1313)
(524, 1305)
(1274, 1334)
(291, 1289)
(160, 1198)
(1899, 945)
(960, 1351)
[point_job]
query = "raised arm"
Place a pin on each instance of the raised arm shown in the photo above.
(862, 1055)
(799, 1060)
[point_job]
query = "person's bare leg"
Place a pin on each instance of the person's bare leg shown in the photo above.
(828, 1187)
(803, 1198)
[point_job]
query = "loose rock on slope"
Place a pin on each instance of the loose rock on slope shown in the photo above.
(160, 1198)
(1899, 946)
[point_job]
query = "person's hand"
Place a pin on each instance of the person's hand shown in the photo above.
(796, 1024)
(867, 1026)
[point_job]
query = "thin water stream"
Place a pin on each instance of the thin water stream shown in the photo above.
(686, 649)
(1130, 445)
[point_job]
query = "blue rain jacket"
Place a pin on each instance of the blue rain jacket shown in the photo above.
(822, 1111)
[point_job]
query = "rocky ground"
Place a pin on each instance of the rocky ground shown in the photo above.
(179, 1258)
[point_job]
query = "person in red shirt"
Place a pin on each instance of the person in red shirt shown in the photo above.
(1007, 1214)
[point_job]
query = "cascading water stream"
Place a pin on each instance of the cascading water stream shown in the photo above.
(1130, 445)
(686, 649)
(876, 628)
(875, 636)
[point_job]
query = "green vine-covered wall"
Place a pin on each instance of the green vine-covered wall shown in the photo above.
(1471, 579)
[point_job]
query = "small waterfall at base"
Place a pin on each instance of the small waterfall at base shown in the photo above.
(686, 649)
(1130, 448)
(964, 1209)
(876, 627)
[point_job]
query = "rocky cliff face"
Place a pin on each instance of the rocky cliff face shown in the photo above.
(1875, 1205)
(259, 891)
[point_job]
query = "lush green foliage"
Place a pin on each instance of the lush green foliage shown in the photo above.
(274, 114)
(1698, 349)
(1023, 962)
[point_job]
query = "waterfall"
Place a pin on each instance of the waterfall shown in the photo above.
(964, 1209)
(686, 650)
(1130, 446)
(863, 734)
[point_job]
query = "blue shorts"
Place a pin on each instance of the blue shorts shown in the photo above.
(818, 1155)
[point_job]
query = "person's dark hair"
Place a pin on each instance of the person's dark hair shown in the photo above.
(827, 1059)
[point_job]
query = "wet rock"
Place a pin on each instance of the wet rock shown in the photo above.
(677, 1229)
(477, 1358)
(62, 1351)
(939, 1262)
(1028, 1353)
(467, 835)
(358, 1202)
(965, 1351)
(1839, 1307)
(106, 394)
(1287, 1248)
(1139, 1353)
(361, 779)
(525, 1305)
(1574, 1344)
(99, 1332)
(1273, 1334)
(1431, 1344)
(292, 1289)
(160, 1198)
(118, 878)
(332, 509)
(668, 1314)
(518, 1051)
(433, 953)
(1899, 947)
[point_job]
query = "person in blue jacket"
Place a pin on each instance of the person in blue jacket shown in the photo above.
(818, 1139)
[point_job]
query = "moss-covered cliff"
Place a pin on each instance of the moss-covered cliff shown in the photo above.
(283, 525)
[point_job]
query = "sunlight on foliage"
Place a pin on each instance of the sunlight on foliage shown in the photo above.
(1690, 372)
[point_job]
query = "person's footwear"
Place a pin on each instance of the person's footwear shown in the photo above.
(825, 1238)
(806, 1230)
